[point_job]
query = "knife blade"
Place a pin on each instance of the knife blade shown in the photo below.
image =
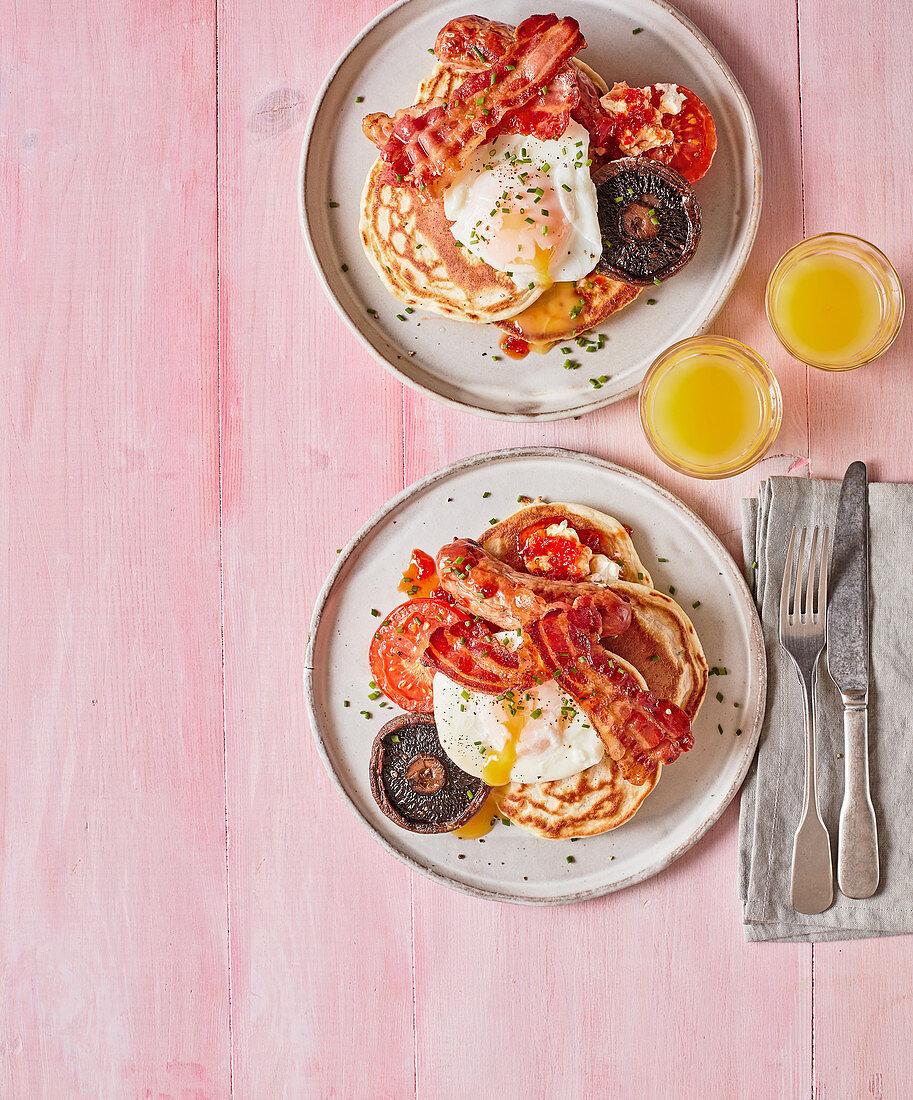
(848, 611)
(848, 663)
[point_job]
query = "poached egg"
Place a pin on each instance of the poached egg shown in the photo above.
(522, 736)
(527, 207)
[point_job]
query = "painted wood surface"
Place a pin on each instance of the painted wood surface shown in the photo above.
(189, 910)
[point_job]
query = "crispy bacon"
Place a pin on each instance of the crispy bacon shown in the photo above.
(638, 730)
(623, 123)
(471, 656)
(591, 114)
(492, 590)
(547, 114)
(420, 146)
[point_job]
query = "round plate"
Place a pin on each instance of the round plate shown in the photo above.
(510, 864)
(451, 360)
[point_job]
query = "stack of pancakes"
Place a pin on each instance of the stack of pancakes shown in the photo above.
(409, 243)
(660, 649)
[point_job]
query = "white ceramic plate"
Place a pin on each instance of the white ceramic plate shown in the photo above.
(451, 360)
(511, 864)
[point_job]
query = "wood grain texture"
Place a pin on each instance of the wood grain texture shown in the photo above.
(321, 918)
(862, 989)
(113, 941)
(189, 910)
(577, 989)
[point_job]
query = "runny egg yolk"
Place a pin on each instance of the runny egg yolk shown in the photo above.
(498, 764)
(540, 264)
(482, 822)
(496, 773)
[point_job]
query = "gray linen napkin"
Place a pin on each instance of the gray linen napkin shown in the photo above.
(772, 796)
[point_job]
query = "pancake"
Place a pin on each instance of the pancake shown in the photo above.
(502, 540)
(410, 246)
(409, 243)
(662, 644)
(592, 801)
(567, 309)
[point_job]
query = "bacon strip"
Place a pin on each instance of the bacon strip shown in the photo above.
(492, 590)
(422, 147)
(638, 730)
(470, 655)
(623, 123)
(547, 114)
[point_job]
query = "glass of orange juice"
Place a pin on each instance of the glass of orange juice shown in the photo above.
(835, 302)
(710, 407)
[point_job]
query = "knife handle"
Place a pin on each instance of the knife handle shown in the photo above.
(857, 852)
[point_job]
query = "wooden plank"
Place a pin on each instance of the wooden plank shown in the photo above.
(312, 444)
(113, 942)
(854, 175)
(573, 1000)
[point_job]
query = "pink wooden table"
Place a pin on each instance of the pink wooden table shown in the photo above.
(188, 910)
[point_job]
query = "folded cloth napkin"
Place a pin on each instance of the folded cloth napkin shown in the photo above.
(772, 796)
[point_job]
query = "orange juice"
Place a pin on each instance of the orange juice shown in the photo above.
(706, 410)
(710, 407)
(829, 309)
(834, 301)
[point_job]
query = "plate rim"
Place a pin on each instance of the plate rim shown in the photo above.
(584, 407)
(757, 675)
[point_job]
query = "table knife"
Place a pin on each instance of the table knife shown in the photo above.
(848, 663)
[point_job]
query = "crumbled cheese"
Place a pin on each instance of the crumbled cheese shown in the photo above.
(603, 570)
(562, 531)
(672, 100)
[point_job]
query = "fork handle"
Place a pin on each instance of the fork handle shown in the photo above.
(812, 879)
(857, 852)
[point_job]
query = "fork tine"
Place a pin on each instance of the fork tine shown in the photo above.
(823, 570)
(786, 585)
(801, 584)
(811, 578)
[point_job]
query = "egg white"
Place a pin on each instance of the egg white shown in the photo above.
(527, 207)
(557, 743)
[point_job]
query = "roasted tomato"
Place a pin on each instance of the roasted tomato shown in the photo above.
(397, 647)
(694, 143)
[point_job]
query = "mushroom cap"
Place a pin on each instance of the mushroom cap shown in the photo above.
(415, 783)
(649, 219)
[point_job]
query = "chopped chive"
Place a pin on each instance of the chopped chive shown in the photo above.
(345, 267)
(333, 205)
(719, 697)
(637, 30)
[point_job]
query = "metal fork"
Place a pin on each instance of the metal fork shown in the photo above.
(803, 629)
